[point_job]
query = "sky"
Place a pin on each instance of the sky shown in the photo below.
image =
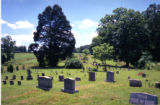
(19, 18)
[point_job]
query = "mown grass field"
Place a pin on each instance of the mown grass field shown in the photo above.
(90, 93)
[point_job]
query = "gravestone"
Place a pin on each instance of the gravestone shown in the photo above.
(37, 77)
(11, 82)
(29, 76)
(78, 79)
(135, 83)
(69, 86)
(129, 77)
(44, 82)
(110, 76)
(13, 77)
(21, 77)
(61, 78)
(117, 72)
(143, 99)
(157, 84)
(144, 75)
(4, 82)
(6, 78)
(91, 76)
(19, 82)
(43, 74)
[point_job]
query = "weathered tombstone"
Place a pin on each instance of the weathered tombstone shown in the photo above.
(129, 77)
(69, 86)
(6, 78)
(11, 82)
(117, 72)
(21, 77)
(44, 82)
(144, 75)
(110, 76)
(135, 83)
(13, 77)
(43, 74)
(157, 84)
(19, 82)
(143, 99)
(78, 79)
(29, 77)
(91, 76)
(4, 82)
(61, 78)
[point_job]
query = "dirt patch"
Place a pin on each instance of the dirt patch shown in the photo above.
(85, 86)
(114, 98)
(19, 95)
(140, 73)
(86, 96)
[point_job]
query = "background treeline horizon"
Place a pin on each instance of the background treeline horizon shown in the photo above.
(133, 35)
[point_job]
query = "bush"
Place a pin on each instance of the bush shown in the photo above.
(73, 63)
(10, 68)
(17, 68)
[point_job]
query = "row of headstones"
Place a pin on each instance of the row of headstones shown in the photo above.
(11, 82)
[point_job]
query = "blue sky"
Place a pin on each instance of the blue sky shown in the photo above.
(19, 17)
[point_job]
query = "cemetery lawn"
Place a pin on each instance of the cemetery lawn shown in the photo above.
(98, 92)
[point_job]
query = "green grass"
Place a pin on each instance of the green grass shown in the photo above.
(90, 93)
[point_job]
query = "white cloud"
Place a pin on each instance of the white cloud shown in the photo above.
(18, 24)
(76, 35)
(86, 23)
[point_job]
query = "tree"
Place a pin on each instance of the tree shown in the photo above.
(152, 17)
(125, 31)
(8, 47)
(86, 52)
(103, 52)
(3, 59)
(53, 38)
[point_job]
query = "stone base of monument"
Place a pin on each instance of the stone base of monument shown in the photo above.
(44, 88)
(69, 91)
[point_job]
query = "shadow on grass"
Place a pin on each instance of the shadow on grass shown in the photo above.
(37, 67)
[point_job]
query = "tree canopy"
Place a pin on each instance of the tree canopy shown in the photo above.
(53, 37)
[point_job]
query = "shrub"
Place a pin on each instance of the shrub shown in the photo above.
(10, 68)
(17, 68)
(73, 63)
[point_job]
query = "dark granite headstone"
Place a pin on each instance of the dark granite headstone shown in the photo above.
(11, 82)
(91, 76)
(110, 76)
(78, 79)
(19, 82)
(143, 99)
(69, 86)
(135, 83)
(117, 72)
(29, 77)
(43, 74)
(129, 77)
(4, 82)
(61, 78)
(6, 77)
(13, 77)
(45, 82)
(144, 75)
(157, 84)
(21, 77)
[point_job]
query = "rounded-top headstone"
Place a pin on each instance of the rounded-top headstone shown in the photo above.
(4, 82)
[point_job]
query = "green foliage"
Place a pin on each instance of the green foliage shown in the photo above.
(8, 47)
(73, 63)
(103, 52)
(86, 51)
(10, 68)
(152, 17)
(3, 59)
(17, 68)
(53, 38)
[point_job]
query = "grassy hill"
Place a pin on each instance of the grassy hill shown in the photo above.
(90, 93)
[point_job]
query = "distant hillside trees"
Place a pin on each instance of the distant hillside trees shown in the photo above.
(7, 48)
(20, 49)
(81, 48)
(53, 37)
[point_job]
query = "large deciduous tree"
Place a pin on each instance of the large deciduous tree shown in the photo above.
(152, 16)
(7, 48)
(53, 37)
(124, 29)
